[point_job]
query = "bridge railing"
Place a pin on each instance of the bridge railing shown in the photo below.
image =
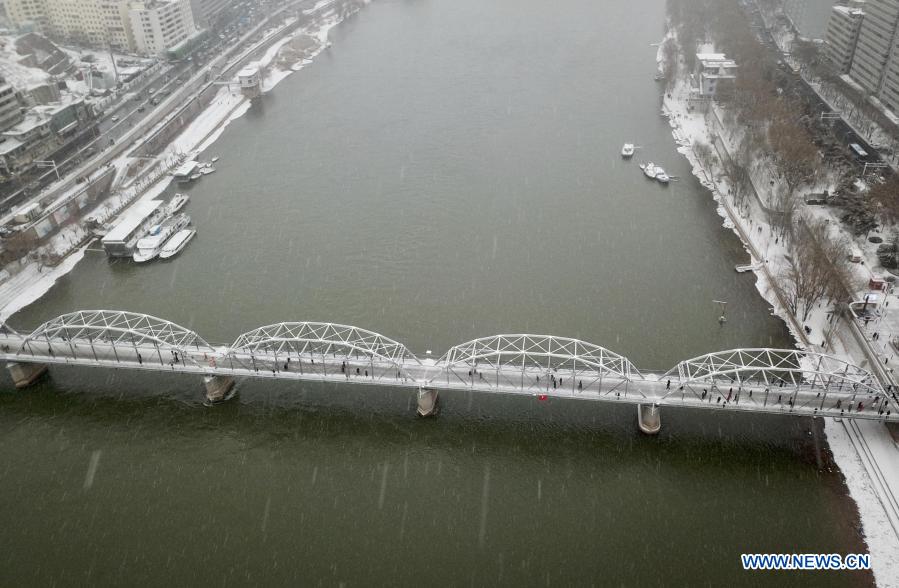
(522, 363)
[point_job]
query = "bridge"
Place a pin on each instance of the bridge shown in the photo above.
(761, 380)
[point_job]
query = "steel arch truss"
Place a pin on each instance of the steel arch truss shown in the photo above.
(117, 327)
(537, 363)
(796, 377)
(357, 348)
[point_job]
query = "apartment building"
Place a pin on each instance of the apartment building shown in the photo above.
(160, 24)
(841, 36)
(78, 21)
(875, 44)
(10, 107)
(144, 27)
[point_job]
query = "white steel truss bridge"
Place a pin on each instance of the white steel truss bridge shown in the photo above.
(779, 381)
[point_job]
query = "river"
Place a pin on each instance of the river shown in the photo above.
(446, 170)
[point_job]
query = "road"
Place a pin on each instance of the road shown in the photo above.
(126, 132)
(131, 114)
(792, 82)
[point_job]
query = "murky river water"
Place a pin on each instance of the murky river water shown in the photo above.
(447, 170)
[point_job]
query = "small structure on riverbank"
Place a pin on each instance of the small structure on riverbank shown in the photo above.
(250, 81)
(711, 69)
(119, 241)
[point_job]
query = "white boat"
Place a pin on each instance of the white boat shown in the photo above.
(195, 177)
(207, 170)
(178, 242)
(627, 150)
(214, 159)
(650, 170)
(150, 246)
(662, 176)
(177, 203)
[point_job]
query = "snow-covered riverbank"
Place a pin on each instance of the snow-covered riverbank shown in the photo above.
(34, 280)
(872, 475)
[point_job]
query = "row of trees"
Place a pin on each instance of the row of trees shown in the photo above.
(816, 270)
(776, 139)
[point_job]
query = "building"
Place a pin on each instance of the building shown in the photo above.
(160, 24)
(99, 23)
(10, 107)
(78, 21)
(118, 24)
(842, 36)
(809, 17)
(875, 44)
(120, 240)
(28, 14)
(250, 80)
(40, 132)
(889, 88)
(711, 70)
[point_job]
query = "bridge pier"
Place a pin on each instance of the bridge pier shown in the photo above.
(217, 388)
(25, 374)
(427, 402)
(649, 418)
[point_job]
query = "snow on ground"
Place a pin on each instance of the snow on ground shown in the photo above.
(749, 222)
(880, 535)
(229, 104)
(103, 61)
(33, 281)
(16, 73)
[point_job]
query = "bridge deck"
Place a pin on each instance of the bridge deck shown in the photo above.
(821, 398)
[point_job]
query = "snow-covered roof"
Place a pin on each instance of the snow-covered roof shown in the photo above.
(131, 220)
(186, 168)
(711, 56)
(33, 119)
(28, 208)
(848, 11)
(17, 74)
(8, 145)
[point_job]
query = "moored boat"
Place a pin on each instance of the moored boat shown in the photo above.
(650, 170)
(149, 247)
(177, 203)
(628, 150)
(176, 243)
(661, 176)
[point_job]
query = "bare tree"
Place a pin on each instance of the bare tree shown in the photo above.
(885, 197)
(796, 159)
(817, 270)
(19, 245)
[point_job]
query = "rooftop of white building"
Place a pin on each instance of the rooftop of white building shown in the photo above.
(849, 11)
